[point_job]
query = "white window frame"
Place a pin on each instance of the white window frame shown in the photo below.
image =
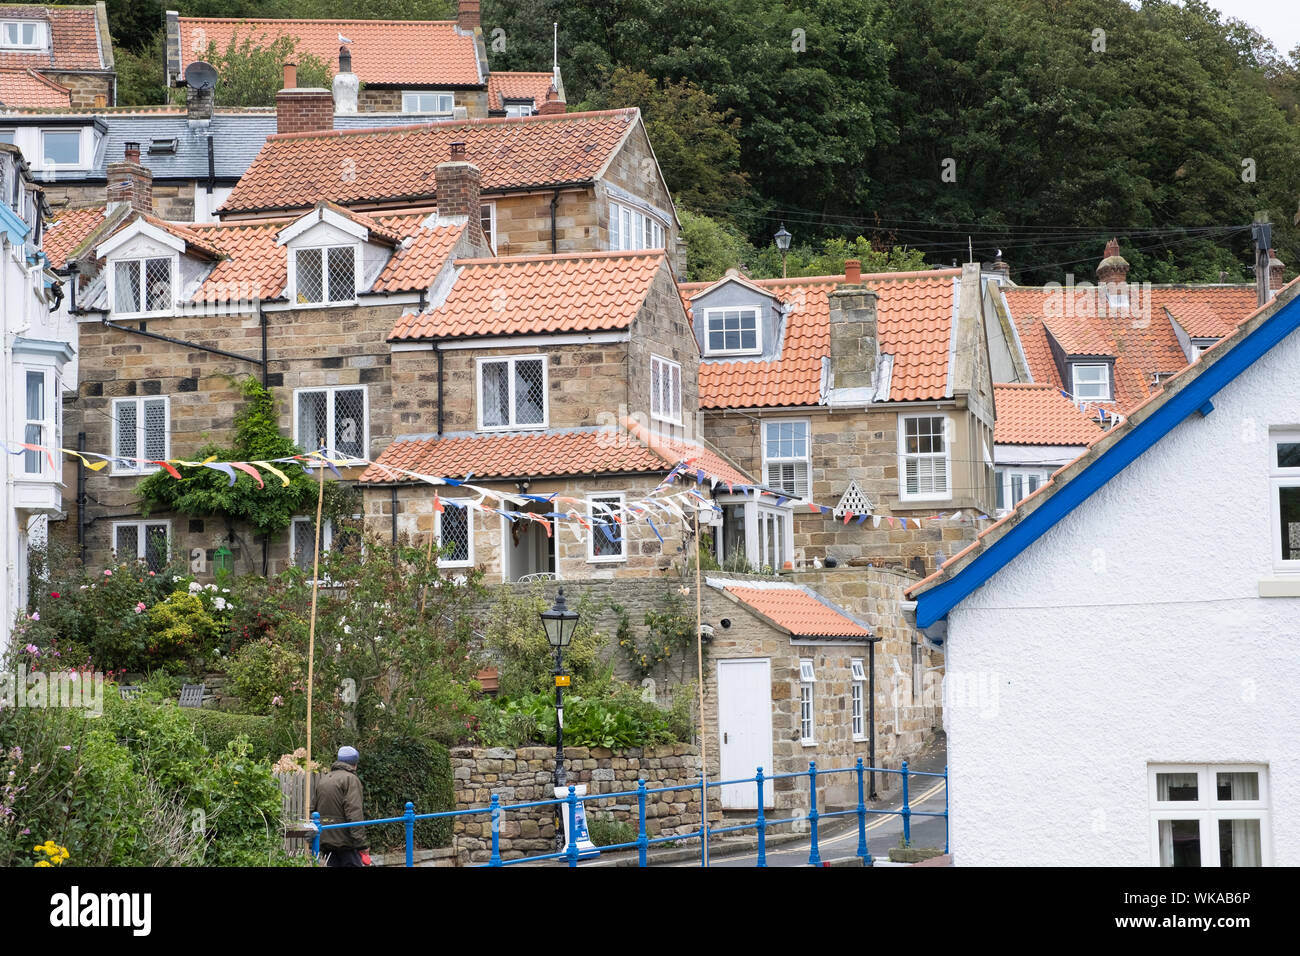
(1199, 348)
(141, 539)
(628, 228)
(1279, 478)
(758, 330)
(48, 423)
(512, 426)
(806, 461)
(661, 373)
(325, 301)
(807, 707)
(143, 262)
(606, 498)
(1208, 809)
(519, 110)
(856, 710)
(490, 208)
(39, 35)
(329, 417)
(81, 148)
(904, 455)
(141, 436)
(1009, 475)
(1104, 384)
(469, 536)
(407, 95)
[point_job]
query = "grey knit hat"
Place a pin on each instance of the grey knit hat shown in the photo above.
(348, 755)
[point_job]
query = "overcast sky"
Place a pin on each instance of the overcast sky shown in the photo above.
(1279, 20)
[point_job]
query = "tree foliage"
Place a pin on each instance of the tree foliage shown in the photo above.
(250, 74)
(207, 492)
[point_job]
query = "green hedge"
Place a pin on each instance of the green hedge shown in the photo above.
(396, 770)
(216, 728)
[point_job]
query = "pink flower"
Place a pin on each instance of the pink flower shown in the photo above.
(66, 747)
(108, 573)
(36, 615)
(55, 595)
(139, 607)
(277, 701)
(32, 649)
(57, 654)
(151, 574)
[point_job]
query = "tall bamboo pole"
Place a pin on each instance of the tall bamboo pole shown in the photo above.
(311, 631)
(699, 659)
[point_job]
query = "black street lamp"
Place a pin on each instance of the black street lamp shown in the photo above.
(559, 623)
(783, 243)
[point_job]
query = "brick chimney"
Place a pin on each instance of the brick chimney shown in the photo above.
(853, 332)
(1276, 268)
(130, 183)
(457, 182)
(467, 15)
(302, 110)
(1113, 268)
(553, 103)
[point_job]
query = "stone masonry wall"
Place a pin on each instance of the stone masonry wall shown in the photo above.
(524, 223)
(527, 774)
(85, 90)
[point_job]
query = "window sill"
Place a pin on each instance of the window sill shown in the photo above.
(622, 559)
(808, 743)
(1281, 586)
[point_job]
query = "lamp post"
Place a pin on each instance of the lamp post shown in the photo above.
(783, 243)
(559, 623)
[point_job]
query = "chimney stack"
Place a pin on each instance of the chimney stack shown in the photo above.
(1276, 268)
(467, 15)
(302, 110)
(853, 271)
(457, 182)
(853, 333)
(1113, 268)
(346, 85)
(553, 103)
(130, 183)
(199, 103)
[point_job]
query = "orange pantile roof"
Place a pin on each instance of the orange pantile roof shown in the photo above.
(296, 170)
(796, 611)
(578, 292)
(1031, 414)
(384, 52)
(914, 324)
(416, 263)
(518, 86)
(29, 88)
(257, 267)
(75, 43)
(1140, 337)
(191, 237)
(699, 456)
(69, 232)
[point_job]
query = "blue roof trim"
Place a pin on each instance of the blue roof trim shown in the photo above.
(934, 604)
(13, 224)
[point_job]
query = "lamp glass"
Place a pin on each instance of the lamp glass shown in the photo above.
(559, 622)
(783, 238)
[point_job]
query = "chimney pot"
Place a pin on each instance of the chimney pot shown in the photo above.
(458, 152)
(1113, 269)
(132, 152)
(853, 271)
(345, 60)
(290, 76)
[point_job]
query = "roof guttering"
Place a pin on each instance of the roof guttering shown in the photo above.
(1117, 450)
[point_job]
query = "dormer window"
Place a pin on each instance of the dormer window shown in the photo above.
(630, 228)
(519, 109)
(1091, 382)
(325, 274)
(421, 102)
(732, 331)
(141, 286)
(61, 147)
(22, 35)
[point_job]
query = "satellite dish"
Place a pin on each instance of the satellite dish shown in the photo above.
(201, 76)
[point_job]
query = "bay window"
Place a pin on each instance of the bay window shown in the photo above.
(630, 228)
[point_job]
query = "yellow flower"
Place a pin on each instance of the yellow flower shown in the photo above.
(43, 863)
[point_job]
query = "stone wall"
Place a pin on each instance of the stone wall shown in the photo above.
(86, 90)
(634, 169)
(524, 223)
(527, 774)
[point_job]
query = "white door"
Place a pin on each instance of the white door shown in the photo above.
(745, 730)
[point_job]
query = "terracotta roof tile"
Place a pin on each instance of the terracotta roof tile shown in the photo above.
(191, 237)
(797, 611)
(416, 263)
(518, 86)
(384, 52)
(1209, 313)
(257, 267)
(69, 231)
(579, 292)
(29, 88)
(295, 170)
(914, 324)
(1077, 337)
(702, 457)
(1029, 414)
(74, 39)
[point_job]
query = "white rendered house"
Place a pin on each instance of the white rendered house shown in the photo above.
(1121, 649)
(35, 347)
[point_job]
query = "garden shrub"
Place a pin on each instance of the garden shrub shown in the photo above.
(604, 830)
(525, 660)
(264, 674)
(615, 716)
(216, 729)
(394, 770)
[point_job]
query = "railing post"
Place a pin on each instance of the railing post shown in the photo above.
(410, 833)
(762, 821)
(945, 808)
(315, 838)
(573, 827)
(814, 858)
(907, 811)
(641, 840)
(863, 852)
(495, 807)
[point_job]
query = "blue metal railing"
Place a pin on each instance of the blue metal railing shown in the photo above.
(496, 812)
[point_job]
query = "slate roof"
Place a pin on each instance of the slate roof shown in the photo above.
(1038, 414)
(914, 324)
(384, 52)
(295, 170)
(792, 608)
(576, 292)
(76, 44)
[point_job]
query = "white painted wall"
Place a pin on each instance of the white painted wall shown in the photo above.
(1132, 633)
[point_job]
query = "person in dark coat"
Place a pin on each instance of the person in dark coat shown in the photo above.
(338, 800)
